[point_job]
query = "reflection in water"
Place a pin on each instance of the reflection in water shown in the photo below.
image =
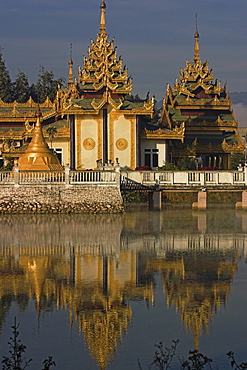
(95, 265)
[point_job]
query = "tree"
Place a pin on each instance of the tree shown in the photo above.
(5, 81)
(21, 89)
(51, 132)
(45, 86)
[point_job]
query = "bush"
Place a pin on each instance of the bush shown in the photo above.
(16, 350)
(168, 167)
(196, 361)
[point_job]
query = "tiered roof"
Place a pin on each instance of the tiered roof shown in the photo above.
(201, 104)
(103, 79)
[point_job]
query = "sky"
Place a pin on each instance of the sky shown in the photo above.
(154, 38)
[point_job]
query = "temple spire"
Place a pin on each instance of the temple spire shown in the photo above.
(102, 17)
(196, 48)
(38, 156)
(70, 81)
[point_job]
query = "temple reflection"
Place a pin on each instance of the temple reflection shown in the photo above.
(94, 266)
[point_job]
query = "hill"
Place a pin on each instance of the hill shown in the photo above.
(238, 97)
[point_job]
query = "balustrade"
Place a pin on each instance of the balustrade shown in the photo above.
(147, 178)
(6, 177)
(40, 177)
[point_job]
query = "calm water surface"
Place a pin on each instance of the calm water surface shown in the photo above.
(98, 292)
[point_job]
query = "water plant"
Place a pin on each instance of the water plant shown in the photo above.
(15, 360)
(163, 357)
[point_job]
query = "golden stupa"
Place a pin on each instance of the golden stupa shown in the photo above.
(38, 156)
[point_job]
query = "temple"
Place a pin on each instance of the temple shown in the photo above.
(202, 107)
(97, 122)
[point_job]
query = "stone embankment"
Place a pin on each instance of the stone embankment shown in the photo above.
(59, 199)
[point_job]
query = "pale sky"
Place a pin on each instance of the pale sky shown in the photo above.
(154, 37)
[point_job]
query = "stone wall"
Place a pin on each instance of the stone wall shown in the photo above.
(60, 199)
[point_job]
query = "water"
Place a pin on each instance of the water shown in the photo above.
(98, 292)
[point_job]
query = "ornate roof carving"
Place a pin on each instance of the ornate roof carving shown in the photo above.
(176, 133)
(101, 67)
(101, 80)
(196, 148)
(197, 99)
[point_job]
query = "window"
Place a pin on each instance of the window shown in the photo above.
(151, 157)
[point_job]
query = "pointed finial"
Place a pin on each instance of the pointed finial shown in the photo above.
(70, 51)
(38, 115)
(70, 81)
(196, 48)
(102, 16)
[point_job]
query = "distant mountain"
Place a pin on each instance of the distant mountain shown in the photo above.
(238, 97)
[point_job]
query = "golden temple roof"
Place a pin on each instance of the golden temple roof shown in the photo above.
(101, 80)
(102, 69)
(203, 106)
(37, 156)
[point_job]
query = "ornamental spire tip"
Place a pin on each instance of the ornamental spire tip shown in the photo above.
(197, 47)
(102, 16)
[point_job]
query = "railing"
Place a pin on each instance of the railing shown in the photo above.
(186, 178)
(6, 177)
(41, 177)
(92, 176)
(161, 179)
(66, 177)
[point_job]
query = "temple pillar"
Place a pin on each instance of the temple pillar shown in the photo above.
(154, 201)
(201, 200)
(16, 175)
(243, 204)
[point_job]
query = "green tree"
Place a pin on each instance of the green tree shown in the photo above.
(46, 86)
(21, 89)
(5, 81)
(236, 159)
(187, 164)
(51, 132)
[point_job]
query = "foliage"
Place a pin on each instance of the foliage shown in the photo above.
(184, 164)
(135, 197)
(163, 356)
(45, 86)
(197, 361)
(6, 90)
(9, 165)
(168, 167)
(21, 89)
(17, 351)
(48, 363)
(187, 164)
(234, 364)
(236, 159)
(52, 131)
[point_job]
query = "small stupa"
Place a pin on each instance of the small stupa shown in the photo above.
(38, 156)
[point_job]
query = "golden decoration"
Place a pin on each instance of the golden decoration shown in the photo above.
(122, 144)
(89, 143)
(78, 141)
(38, 156)
(133, 143)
